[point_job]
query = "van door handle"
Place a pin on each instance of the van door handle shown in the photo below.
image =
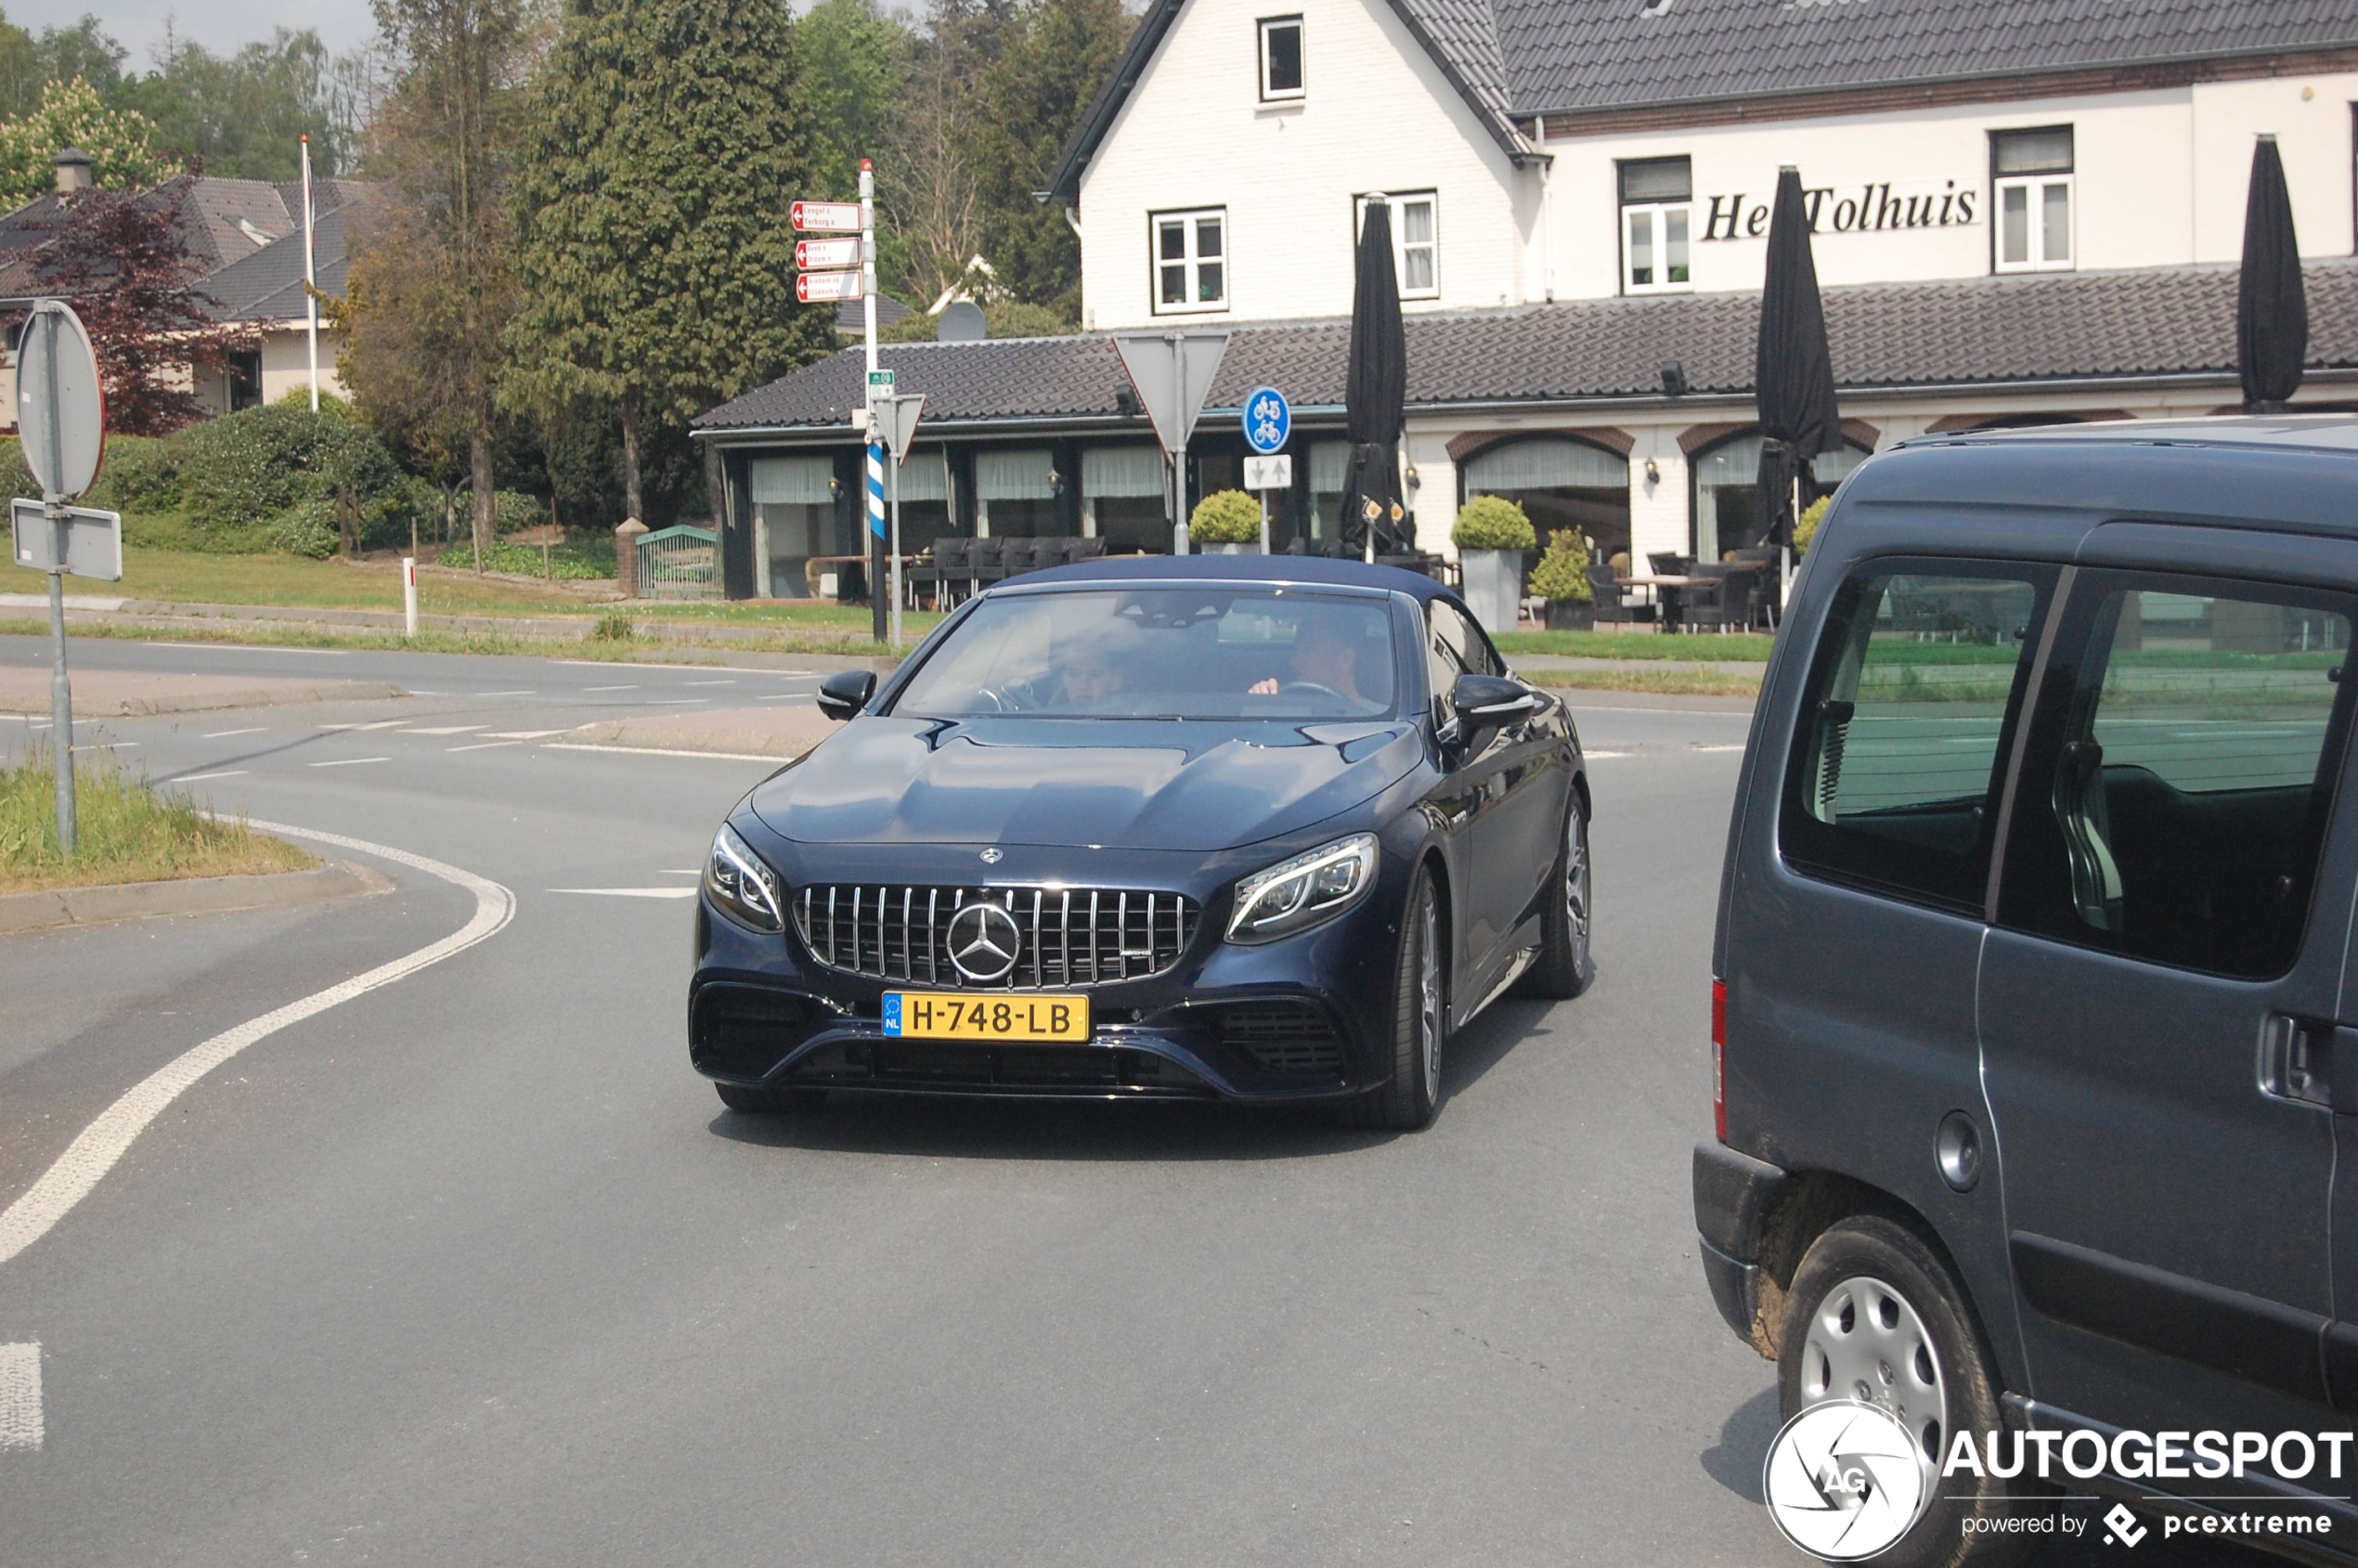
(2311, 1062)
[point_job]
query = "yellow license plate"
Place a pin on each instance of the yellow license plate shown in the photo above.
(949, 1015)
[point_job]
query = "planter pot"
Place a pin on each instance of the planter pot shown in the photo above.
(1494, 587)
(1232, 550)
(1572, 614)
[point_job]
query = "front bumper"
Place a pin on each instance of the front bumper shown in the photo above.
(1301, 1019)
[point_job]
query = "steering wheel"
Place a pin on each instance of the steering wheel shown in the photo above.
(998, 704)
(1314, 689)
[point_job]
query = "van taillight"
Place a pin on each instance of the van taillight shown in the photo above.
(1720, 1059)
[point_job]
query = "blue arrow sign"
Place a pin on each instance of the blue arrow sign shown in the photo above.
(1268, 420)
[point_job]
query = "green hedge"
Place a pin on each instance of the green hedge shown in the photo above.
(1225, 517)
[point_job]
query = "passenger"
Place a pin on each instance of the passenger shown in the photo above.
(1092, 667)
(1326, 652)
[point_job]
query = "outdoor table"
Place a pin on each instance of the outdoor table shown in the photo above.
(1666, 592)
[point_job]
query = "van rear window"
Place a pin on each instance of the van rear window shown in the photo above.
(1905, 726)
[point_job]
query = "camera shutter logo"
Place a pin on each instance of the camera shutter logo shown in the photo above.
(1843, 1481)
(983, 941)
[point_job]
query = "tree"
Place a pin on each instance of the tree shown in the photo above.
(657, 276)
(853, 62)
(122, 259)
(60, 54)
(73, 114)
(1054, 63)
(430, 289)
(242, 113)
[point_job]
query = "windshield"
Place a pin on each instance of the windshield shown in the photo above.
(1162, 652)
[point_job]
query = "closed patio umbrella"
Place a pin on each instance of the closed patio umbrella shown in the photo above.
(1793, 369)
(1375, 390)
(2272, 306)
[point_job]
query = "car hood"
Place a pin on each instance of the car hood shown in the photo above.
(1113, 784)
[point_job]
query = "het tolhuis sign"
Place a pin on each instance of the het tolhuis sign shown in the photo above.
(1877, 207)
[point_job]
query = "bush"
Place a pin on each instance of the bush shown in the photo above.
(1805, 527)
(332, 405)
(254, 464)
(308, 529)
(1563, 573)
(512, 510)
(1225, 517)
(1493, 523)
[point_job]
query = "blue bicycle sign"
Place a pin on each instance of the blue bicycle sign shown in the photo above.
(1268, 419)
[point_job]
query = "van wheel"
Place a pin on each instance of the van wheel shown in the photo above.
(1410, 1097)
(1563, 969)
(757, 1099)
(1875, 1315)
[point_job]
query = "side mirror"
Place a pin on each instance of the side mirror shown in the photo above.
(846, 693)
(1485, 703)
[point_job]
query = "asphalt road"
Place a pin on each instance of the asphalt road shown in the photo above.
(473, 1268)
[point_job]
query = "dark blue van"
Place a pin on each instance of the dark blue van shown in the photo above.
(2035, 1038)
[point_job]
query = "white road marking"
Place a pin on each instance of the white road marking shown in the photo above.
(631, 893)
(102, 746)
(658, 751)
(1593, 755)
(484, 745)
(445, 730)
(610, 688)
(728, 682)
(94, 1152)
(679, 871)
(525, 734)
(225, 734)
(740, 668)
(527, 692)
(20, 1396)
(378, 724)
(251, 648)
(790, 698)
(1719, 749)
(673, 702)
(193, 778)
(350, 761)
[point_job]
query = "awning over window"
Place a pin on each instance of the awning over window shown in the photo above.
(1122, 471)
(1546, 465)
(1013, 477)
(790, 481)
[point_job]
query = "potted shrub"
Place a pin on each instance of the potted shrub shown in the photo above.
(1227, 522)
(1491, 535)
(1805, 527)
(1561, 578)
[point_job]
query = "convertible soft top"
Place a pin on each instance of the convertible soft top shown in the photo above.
(1308, 570)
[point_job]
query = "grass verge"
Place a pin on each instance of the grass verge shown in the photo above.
(1638, 644)
(634, 650)
(1669, 682)
(126, 832)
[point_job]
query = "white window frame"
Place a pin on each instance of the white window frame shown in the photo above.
(1191, 262)
(1655, 216)
(1398, 199)
(1262, 29)
(2034, 190)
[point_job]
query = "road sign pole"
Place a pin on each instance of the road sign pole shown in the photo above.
(1179, 458)
(893, 482)
(54, 503)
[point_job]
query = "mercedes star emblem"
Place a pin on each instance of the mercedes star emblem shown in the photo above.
(993, 857)
(983, 941)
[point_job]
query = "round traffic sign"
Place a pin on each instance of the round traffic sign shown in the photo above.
(1268, 419)
(60, 412)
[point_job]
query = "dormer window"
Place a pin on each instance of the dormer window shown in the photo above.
(1281, 77)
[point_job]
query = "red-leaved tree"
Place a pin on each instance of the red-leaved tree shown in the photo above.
(120, 259)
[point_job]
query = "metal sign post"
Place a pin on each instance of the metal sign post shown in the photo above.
(1263, 476)
(893, 419)
(1172, 372)
(1268, 420)
(61, 419)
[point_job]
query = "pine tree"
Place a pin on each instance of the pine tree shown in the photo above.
(655, 264)
(1056, 58)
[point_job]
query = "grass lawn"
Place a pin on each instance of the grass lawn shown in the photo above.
(1638, 644)
(1669, 682)
(127, 832)
(638, 650)
(195, 578)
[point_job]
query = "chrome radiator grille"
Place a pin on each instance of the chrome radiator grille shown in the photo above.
(1071, 935)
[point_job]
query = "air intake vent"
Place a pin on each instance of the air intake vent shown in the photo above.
(1282, 1036)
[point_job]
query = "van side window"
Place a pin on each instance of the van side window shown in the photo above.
(1907, 724)
(2181, 772)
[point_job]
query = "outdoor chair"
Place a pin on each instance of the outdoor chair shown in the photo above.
(1606, 591)
(949, 573)
(1669, 563)
(1086, 550)
(1725, 603)
(1023, 555)
(988, 561)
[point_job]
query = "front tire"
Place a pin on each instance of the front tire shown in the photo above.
(1875, 1315)
(1564, 968)
(1410, 1096)
(760, 1099)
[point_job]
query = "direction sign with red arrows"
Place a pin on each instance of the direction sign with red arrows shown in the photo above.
(839, 217)
(809, 253)
(813, 286)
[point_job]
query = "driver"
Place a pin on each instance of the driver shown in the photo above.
(1092, 666)
(1326, 652)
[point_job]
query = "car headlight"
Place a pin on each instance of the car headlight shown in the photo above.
(745, 889)
(1297, 894)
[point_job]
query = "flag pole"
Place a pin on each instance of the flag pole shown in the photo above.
(310, 278)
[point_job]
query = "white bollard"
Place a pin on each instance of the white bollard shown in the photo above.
(409, 596)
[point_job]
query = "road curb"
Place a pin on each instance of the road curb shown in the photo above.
(203, 702)
(192, 895)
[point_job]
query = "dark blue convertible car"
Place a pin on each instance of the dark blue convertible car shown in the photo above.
(1240, 828)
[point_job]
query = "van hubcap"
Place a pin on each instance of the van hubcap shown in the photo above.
(1866, 1342)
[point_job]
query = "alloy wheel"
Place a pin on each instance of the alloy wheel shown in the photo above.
(1429, 996)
